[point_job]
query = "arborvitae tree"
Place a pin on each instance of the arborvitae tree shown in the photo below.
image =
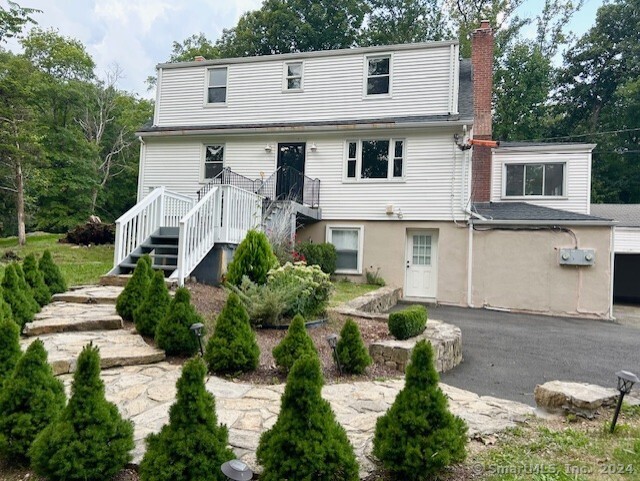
(233, 346)
(295, 344)
(253, 258)
(5, 309)
(193, 445)
(35, 279)
(418, 437)
(29, 400)
(351, 351)
(52, 276)
(26, 288)
(9, 346)
(306, 442)
(172, 332)
(136, 289)
(89, 441)
(14, 296)
(154, 307)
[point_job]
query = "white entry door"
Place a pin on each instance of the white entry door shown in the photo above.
(421, 256)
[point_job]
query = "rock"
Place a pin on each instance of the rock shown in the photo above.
(71, 317)
(573, 397)
(90, 295)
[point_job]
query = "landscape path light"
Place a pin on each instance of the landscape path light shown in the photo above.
(236, 470)
(626, 380)
(197, 329)
(332, 339)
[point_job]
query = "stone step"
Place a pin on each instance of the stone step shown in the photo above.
(117, 348)
(103, 294)
(121, 280)
(72, 317)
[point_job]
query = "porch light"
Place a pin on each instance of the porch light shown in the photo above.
(268, 148)
(236, 470)
(197, 329)
(313, 147)
(626, 380)
(332, 339)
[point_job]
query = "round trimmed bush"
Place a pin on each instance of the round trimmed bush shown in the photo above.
(29, 400)
(253, 258)
(323, 255)
(306, 442)
(295, 344)
(418, 437)
(193, 445)
(233, 346)
(9, 346)
(351, 351)
(154, 307)
(35, 279)
(408, 322)
(26, 288)
(136, 289)
(89, 441)
(52, 276)
(21, 308)
(172, 332)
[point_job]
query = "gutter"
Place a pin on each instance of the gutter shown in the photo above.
(607, 223)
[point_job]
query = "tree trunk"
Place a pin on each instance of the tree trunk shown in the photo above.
(22, 233)
(94, 199)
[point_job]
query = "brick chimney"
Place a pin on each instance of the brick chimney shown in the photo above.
(482, 68)
(199, 58)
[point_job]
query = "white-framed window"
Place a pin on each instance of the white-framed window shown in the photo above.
(534, 179)
(349, 242)
(217, 85)
(213, 161)
(378, 75)
(375, 159)
(293, 76)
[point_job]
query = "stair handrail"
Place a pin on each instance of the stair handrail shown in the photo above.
(160, 208)
(228, 177)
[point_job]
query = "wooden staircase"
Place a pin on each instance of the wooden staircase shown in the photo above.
(161, 246)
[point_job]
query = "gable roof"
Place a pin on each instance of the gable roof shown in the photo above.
(627, 215)
(524, 213)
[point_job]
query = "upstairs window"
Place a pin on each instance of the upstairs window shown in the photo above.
(378, 75)
(213, 160)
(352, 159)
(217, 85)
(534, 180)
(293, 76)
(377, 159)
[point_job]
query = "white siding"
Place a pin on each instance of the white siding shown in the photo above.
(333, 90)
(626, 240)
(577, 196)
(425, 195)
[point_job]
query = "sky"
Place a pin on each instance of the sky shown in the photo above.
(138, 34)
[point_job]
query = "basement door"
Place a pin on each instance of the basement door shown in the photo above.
(421, 262)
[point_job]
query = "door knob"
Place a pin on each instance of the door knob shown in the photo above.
(407, 264)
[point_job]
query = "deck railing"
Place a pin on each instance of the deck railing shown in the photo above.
(229, 177)
(161, 208)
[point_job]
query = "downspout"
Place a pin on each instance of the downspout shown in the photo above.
(613, 263)
(143, 154)
(470, 266)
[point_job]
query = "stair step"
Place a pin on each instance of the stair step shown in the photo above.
(73, 317)
(164, 237)
(167, 267)
(156, 256)
(150, 246)
(121, 280)
(103, 294)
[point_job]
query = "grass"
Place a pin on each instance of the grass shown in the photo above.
(346, 290)
(79, 265)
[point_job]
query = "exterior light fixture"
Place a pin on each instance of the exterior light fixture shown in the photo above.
(626, 380)
(236, 470)
(197, 329)
(313, 147)
(332, 339)
(268, 148)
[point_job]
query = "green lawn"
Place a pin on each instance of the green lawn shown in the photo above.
(79, 264)
(345, 291)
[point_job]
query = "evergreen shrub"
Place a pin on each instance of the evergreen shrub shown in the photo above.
(34, 277)
(26, 288)
(351, 351)
(5, 309)
(193, 445)
(418, 437)
(9, 346)
(306, 442)
(408, 322)
(136, 289)
(312, 288)
(21, 308)
(323, 255)
(295, 344)
(52, 276)
(154, 306)
(89, 441)
(29, 401)
(233, 346)
(172, 332)
(253, 258)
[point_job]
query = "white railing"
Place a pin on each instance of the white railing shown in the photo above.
(224, 215)
(161, 208)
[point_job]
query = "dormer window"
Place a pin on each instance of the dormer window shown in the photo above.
(378, 75)
(293, 76)
(217, 85)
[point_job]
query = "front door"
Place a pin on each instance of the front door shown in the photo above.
(290, 178)
(421, 256)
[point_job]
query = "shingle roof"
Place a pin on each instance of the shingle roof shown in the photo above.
(627, 215)
(523, 211)
(465, 90)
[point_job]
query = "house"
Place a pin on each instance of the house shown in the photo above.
(385, 152)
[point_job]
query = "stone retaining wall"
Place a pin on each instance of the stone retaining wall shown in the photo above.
(372, 304)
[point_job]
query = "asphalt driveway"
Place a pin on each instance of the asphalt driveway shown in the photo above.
(507, 355)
